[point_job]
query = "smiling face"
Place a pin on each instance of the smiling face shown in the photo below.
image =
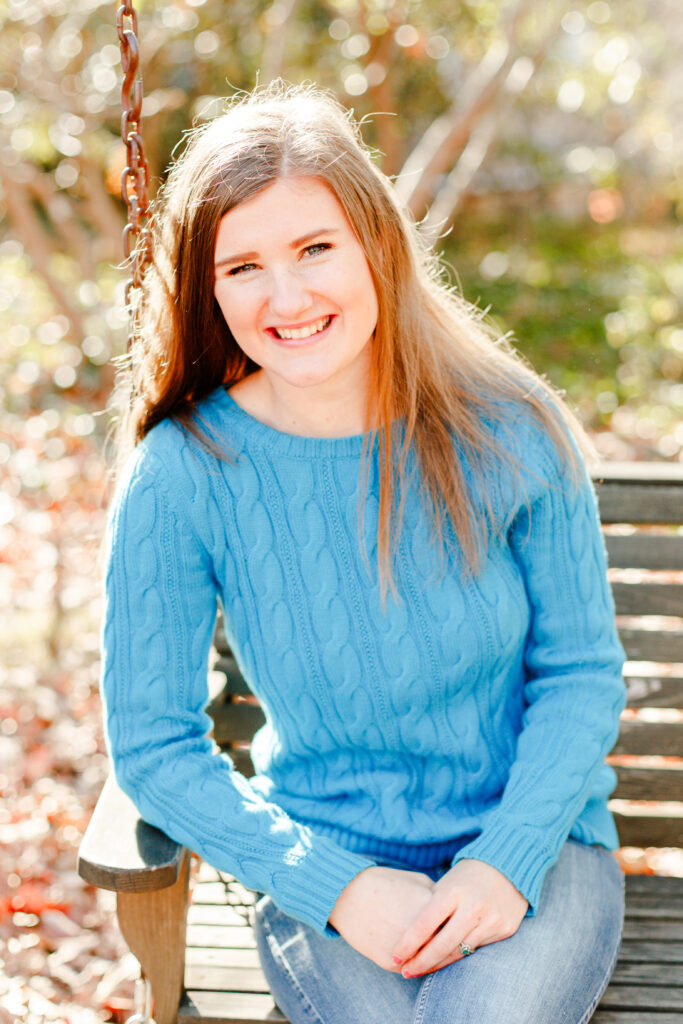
(295, 288)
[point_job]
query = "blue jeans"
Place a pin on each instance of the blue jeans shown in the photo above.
(553, 970)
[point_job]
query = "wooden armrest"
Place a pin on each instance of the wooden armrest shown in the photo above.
(122, 852)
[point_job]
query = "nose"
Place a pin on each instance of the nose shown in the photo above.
(289, 297)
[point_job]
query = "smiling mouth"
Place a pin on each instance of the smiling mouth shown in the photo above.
(298, 333)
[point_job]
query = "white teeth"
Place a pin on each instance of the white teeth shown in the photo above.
(302, 332)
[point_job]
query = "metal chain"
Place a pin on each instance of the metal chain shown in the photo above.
(137, 238)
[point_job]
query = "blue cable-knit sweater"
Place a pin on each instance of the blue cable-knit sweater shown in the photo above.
(468, 717)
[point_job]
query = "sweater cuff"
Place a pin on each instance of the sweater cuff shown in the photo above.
(310, 891)
(519, 853)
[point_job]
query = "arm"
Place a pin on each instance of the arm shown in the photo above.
(160, 604)
(573, 694)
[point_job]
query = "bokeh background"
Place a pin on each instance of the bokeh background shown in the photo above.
(540, 144)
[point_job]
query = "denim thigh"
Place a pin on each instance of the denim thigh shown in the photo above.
(553, 970)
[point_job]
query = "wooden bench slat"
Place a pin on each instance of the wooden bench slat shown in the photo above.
(660, 932)
(218, 914)
(640, 504)
(659, 691)
(637, 737)
(627, 473)
(234, 680)
(644, 551)
(234, 722)
(653, 644)
(638, 829)
(212, 956)
(648, 974)
(662, 910)
(648, 598)
(640, 783)
(651, 952)
(641, 997)
(220, 935)
(215, 913)
(227, 979)
(654, 885)
(634, 1017)
(227, 1008)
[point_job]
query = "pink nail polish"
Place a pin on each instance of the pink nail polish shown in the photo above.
(397, 959)
(406, 975)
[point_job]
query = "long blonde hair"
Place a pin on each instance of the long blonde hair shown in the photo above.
(438, 368)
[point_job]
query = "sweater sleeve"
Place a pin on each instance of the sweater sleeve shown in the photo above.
(160, 606)
(573, 691)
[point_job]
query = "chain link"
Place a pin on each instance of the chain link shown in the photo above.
(137, 239)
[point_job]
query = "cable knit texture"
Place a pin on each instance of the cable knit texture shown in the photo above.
(469, 717)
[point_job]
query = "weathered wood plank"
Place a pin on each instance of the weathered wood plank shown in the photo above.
(661, 910)
(659, 932)
(634, 1017)
(648, 830)
(217, 913)
(220, 935)
(641, 997)
(120, 851)
(661, 691)
(234, 680)
(637, 737)
(227, 979)
(233, 722)
(648, 598)
(653, 644)
(654, 885)
(212, 956)
(649, 974)
(242, 761)
(210, 892)
(227, 1008)
(644, 551)
(652, 473)
(649, 783)
(633, 951)
(640, 503)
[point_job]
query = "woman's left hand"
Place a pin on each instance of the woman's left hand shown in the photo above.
(473, 903)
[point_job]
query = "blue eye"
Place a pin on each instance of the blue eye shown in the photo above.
(317, 248)
(241, 269)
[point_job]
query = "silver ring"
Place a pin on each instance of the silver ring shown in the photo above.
(465, 949)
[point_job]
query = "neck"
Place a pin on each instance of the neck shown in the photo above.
(333, 411)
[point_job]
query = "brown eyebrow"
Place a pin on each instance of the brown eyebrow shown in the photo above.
(246, 257)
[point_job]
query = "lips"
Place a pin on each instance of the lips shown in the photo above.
(301, 333)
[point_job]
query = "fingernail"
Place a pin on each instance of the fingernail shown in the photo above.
(397, 959)
(406, 975)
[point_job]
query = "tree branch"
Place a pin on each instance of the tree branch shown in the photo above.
(484, 135)
(37, 244)
(447, 136)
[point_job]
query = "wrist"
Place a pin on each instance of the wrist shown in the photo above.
(346, 895)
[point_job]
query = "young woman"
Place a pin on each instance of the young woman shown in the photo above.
(393, 512)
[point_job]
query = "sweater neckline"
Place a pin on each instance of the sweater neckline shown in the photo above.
(298, 445)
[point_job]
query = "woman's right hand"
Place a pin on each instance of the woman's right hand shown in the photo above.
(376, 907)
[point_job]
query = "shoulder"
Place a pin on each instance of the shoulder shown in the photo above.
(541, 437)
(169, 463)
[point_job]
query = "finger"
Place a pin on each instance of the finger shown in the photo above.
(452, 959)
(445, 948)
(429, 921)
